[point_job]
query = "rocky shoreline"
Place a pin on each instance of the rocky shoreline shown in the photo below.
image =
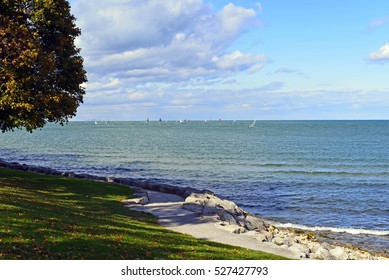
(303, 244)
(229, 217)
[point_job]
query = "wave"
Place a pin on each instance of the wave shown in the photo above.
(353, 231)
(330, 173)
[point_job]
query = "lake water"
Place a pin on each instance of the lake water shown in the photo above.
(328, 175)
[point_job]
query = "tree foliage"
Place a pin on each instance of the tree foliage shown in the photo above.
(41, 70)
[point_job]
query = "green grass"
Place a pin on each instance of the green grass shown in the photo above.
(47, 217)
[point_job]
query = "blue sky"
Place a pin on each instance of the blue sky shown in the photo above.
(199, 59)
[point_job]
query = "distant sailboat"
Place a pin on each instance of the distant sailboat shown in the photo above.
(253, 124)
(96, 122)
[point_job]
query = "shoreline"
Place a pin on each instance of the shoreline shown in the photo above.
(206, 216)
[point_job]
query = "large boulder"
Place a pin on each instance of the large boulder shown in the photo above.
(194, 207)
(228, 217)
(255, 223)
(300, 250)
(339, 253)
(322, 254)
(280, 240)
(208, 204)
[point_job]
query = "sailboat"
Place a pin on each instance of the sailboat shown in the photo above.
(253, 124)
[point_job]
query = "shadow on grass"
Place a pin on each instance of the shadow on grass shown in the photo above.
(45, 217)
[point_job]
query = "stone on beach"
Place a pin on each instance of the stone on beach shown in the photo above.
(227, 211)
(301, 250)
(236, 220)
(281, 240)
(339, 253)
(322, 254)
(255, 223)
(139, 200)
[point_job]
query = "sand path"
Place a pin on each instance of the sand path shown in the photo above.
(168, 209)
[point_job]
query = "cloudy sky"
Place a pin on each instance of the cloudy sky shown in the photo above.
(210, 59)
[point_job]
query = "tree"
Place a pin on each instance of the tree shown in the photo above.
(41, 70)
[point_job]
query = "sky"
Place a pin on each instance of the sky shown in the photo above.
(211, 59)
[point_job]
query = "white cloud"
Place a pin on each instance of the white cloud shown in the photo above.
(169, 59)
(285, 70)
(155, 41)
(114, 26)
(233, 20)
(379, 22)
(238, 60)
(382, 55)
(259, 6)
(150, 55)
(255, 68)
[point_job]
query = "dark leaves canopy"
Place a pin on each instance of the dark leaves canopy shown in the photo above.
(41, 70)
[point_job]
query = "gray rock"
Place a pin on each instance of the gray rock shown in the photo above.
(197, 198)
(14, 165)
(326, 246)
(211, 201)
(82, 176)
(164, 188)
(108, 179)
(316, 247)
(139, 200)
(123, 181)
(269, 236)
(194, 207)
(50, 171)
(255, 223)
(279, 240)
(227, 217)
(209, 204)
(188, 191)
(300, 249)
(195, 202)
(242, 221)
(263, 236)
(69, 174)
(339, 253)
(209, 210)
(322, 254)
(140, 184)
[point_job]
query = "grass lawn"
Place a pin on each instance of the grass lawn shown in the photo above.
(47, 217)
